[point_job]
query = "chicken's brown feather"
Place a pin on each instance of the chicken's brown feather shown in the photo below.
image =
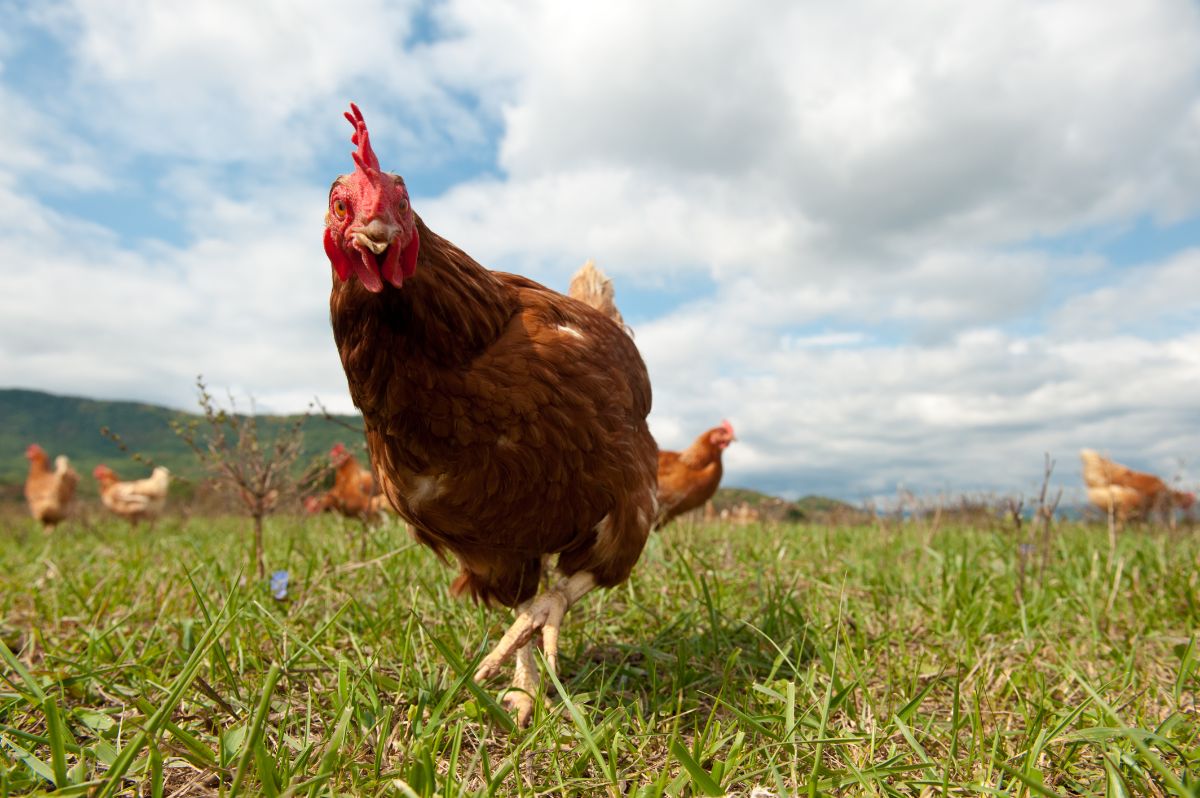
(505, 421)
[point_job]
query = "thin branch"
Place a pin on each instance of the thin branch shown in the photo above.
(330, 417)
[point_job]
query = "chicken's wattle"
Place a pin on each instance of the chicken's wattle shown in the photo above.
(389, 262)
(367, 270)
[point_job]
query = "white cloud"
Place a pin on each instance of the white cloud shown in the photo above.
(1150, 298)
(990, 119)
(33, 147)
(226, 82)
(626, 220)
(248, 308)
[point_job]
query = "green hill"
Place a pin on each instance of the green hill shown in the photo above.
(809, 508)
(71, 425)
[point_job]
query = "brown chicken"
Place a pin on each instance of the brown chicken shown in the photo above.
(687, 479)
(1128, 494)
(49, 491)
(506, 422)
(135, 501)
(352, 491)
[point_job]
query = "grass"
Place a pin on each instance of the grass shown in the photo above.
(787, 660)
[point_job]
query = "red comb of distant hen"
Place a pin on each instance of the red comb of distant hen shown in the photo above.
(727, 427)
(101, 471)
(339, 454)
(33, 450)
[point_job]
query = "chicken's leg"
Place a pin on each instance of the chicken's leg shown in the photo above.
(544, 612)
(526, 683)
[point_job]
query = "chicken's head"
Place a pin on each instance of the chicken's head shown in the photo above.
(722, 436)
(338, 454)
(370, 229)
(103, 473)
(36, 453)
(1185, 500)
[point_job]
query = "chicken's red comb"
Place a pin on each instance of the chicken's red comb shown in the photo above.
(727, 426)
(33, 449)
(101, 470)
(365, 157)
(338, 448)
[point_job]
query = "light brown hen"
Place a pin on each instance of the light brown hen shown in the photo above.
(49, 491)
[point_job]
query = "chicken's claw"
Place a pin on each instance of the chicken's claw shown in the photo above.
(526, 681)
(544, 612)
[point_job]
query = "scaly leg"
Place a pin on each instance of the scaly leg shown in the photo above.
(526, 681)
(544, 612)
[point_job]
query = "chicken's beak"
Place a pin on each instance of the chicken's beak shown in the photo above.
(376, 236)
(377, 257)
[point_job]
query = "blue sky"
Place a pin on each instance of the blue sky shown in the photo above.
(913, 245)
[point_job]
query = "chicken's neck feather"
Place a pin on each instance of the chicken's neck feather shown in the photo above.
(448, 312)
(701, 454)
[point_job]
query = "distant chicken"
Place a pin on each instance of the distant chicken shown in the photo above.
(1129, 494)
(352, 491)
(139, 500)
(49, 491)
(688, 479)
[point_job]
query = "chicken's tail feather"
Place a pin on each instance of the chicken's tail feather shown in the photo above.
(595, 289)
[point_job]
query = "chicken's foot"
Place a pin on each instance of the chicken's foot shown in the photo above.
(544, 612)
(526, 683)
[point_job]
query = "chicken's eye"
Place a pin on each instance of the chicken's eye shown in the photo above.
(402, 204)
(339, 208)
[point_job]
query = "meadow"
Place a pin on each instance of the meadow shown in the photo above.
(764, 660)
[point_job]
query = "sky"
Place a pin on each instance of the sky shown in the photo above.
(898, 245)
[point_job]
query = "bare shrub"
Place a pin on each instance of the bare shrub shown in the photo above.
(257, 472)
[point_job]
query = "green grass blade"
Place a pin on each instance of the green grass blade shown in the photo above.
(32, 762)
(26, 678)
(580, 723)
(57, 733)
(333, 749)
(1159, 767)
(112, 779)
(466, 679)
(256, 729)
(700, 777)
(201, 755)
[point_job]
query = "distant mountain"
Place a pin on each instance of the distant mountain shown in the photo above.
(809, 508)
(71, 425)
